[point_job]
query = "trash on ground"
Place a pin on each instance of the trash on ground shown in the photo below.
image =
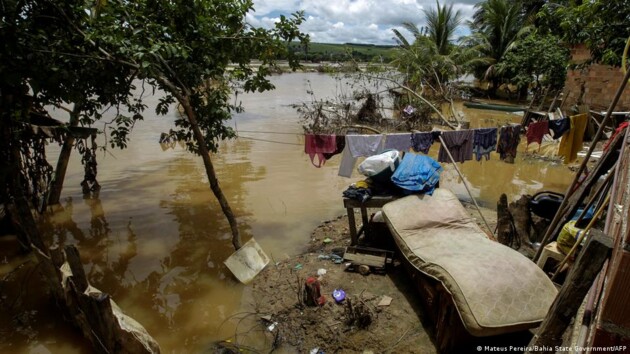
(385, 301)
(339, 295)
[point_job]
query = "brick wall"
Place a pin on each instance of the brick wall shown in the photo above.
(600, 83)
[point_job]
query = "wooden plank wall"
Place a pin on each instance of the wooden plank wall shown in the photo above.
(612, 322)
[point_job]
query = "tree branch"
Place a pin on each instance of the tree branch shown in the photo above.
(417, 95)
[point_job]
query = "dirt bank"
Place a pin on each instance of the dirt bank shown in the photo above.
(397, 327)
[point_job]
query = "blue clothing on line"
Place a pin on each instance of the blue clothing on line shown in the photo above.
(417, 173)
(421, 142)
(484, 142)
(559, 127)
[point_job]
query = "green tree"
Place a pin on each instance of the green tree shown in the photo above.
(42, 62)
(433, 56)
(602, 25)
(536, 62)
(495, 27)
(182, 47)
(433, 60)
(442, 22)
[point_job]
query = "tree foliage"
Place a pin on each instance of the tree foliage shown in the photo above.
(495, 27)
(442, 22)
(536, 62)
(82, 52)
(432, 56)
(602, 25)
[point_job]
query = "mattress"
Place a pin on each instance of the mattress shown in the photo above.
(494, 288)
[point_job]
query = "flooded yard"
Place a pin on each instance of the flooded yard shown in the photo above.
(156, 238)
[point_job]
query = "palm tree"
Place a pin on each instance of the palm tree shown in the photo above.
(496, 25)
(432, 59)
(441, 25)
(432, 54)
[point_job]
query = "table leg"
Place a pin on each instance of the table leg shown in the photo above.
(353, 226)
(364, 218)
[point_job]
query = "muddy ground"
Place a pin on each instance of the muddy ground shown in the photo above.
(395, 328)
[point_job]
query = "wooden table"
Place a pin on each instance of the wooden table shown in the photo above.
(351, 204)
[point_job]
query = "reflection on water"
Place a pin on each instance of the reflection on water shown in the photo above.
(156, 239)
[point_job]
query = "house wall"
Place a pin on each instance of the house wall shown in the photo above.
(600, 83)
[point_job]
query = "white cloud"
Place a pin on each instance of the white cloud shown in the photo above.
(352, 21)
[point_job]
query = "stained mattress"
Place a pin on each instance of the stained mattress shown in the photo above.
(494, 288)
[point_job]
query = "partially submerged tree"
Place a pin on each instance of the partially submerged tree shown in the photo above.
(536, 62)
(432, 60)
(43, 62)
(495, 27)
(184, 48)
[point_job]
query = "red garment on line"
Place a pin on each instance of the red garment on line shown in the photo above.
(536, 131)
(318, 145)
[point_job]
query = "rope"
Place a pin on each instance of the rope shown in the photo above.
(269, 141)
(266, 132)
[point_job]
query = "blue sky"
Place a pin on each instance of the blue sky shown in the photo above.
(353, 21)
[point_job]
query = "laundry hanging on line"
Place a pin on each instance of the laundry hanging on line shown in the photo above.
(509, 138)
(559, 127)
(484, 142)
(398, 141)
(421, 142)
(316, 145)
(536, 131)
(460, 145)
(571, 141)
(340, 142)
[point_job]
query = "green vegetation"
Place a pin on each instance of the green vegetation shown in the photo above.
(522, 43)
(496, 26)
(535, 62)
(92, 55)
(317, 52)
(602, 25)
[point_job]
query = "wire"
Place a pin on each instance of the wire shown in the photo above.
(264, 132)
(269, 141)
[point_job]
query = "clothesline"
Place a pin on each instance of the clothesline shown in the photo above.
(268, 141)
(267, 132)
(462, 144)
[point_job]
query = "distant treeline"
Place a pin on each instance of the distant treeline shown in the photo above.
(317, 52)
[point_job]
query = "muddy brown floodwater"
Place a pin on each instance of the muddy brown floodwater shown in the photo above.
(156, 238)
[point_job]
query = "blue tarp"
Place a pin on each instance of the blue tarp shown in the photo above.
(417, 173)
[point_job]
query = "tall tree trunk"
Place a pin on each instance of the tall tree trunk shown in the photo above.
(495, 87)
(64, 158)
(212, 177)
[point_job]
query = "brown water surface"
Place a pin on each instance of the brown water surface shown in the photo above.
(156, 238)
